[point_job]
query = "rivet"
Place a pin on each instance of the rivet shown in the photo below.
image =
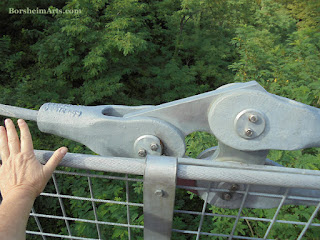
(154, 146)
(226, 196)
(249, 132)
(159, 193)
(253, 118)
(142, 153)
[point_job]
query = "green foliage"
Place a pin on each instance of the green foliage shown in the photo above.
(283, 60)
(125, 52)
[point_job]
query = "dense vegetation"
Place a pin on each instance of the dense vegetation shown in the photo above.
(137, 52)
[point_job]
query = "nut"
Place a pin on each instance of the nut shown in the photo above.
(253, 118)
(142, 153)
(226, 196)
(249, 132)
(234, 187)
(154, 146)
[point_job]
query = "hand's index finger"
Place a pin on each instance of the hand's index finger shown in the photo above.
(4, 148)
(25, 136)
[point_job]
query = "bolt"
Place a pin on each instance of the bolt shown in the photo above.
(142, 153)
(226, 196)
(154, 146)
(249, 132)
(159, 193)
(253, 118)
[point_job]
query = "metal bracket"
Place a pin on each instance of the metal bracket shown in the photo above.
(94, 127)
(230, 194)
(158, 196)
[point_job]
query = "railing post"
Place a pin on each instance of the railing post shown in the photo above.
(158, 197)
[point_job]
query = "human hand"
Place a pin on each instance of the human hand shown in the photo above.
(20, 171)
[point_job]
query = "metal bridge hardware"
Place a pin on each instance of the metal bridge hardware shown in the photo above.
(247, 121)
(147, 144)
(158, 196)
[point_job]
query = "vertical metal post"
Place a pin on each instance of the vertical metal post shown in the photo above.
(158, 197)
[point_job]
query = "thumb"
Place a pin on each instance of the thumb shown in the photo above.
(54, 161)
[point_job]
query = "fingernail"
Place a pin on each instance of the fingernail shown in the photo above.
(64, 150)
(20, 121)
(7, 121)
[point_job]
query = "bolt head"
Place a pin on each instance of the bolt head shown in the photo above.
(142, 153)
(249, 132)
(154, 146)
(253, 118)
(226, 196)
(159, 193)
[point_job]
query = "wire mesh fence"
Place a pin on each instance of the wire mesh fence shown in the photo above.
(87, 205)
(81, 204)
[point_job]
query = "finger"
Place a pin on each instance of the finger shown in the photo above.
(4, 148)
(25, 136)
(13, 139)
(54, 161)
